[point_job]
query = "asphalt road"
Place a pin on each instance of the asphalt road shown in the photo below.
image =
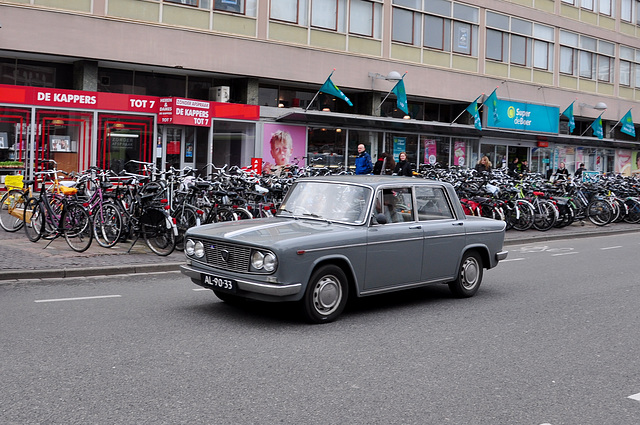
(551, 338)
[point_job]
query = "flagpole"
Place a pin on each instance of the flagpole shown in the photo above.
(464, 110)
(317, 93)
(394, 86)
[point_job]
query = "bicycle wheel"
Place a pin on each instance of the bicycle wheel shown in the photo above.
(157, 231)
(599, 212)
(545, 216)
(222, 214)
(12, 210)
(33, 219)
(50, 229)
(633, 211)
(243, 214)
(77, 229)
(107, 224)
(526, 216)
(186, 217)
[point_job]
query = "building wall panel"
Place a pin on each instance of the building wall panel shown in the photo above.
(185, 16)
(234, 24)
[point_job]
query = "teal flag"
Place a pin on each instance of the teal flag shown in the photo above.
(569, 114)
(329, 88)
(597, 127)
(473, 110)
(401, 94)
(627, 125)
(492, 103)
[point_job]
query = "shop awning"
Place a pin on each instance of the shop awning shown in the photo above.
(339, 120)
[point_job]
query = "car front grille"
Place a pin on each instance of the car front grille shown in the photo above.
(227, 256)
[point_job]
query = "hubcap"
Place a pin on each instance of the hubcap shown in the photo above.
(327, 295)
(469, 273)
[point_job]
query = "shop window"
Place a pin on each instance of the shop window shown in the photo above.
(233, 143)
(326, 147)
(404, 143)
(14, 124)
(123, 138)
(65, 137)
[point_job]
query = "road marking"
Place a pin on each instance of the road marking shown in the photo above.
(564, 253)
(201, 289)
(78, 298)
(611, 247)
(512, 259)
(635, 397)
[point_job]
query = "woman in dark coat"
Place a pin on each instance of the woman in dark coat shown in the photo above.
(384, 165)
(403, 167)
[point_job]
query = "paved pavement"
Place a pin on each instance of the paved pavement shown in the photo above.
(22, 259)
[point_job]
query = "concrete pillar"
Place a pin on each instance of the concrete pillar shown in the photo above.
(248, 91)
(85, 75)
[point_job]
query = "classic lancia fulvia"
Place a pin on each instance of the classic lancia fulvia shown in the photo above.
(346, 236)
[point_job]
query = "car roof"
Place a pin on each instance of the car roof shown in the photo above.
(375, 181)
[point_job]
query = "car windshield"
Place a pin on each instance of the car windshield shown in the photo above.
(327, 201)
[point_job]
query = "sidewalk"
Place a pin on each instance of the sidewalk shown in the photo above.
(22, 259)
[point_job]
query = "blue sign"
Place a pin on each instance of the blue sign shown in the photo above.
(523, 116)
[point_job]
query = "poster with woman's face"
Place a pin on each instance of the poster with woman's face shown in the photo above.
(635, 162)
(283, 145)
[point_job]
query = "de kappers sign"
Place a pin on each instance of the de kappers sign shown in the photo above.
(523, 116)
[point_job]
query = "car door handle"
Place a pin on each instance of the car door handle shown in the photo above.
(459, 223)
(416, 227)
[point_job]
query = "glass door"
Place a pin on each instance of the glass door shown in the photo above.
(173, 138)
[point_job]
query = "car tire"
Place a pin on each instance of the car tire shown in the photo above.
(326, 295)
(469, 276)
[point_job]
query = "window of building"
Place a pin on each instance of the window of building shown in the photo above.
(519, 42)
(203, 4)
(586, 4)
(458, 35)
(365, 18)
(326, 147)
(586, 57)
(604, 7)
(404, 25)
(294, 11)
(328, 14)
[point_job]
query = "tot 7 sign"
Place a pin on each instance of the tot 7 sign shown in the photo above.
(184, 111)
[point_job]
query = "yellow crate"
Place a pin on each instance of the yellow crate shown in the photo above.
(13, 182)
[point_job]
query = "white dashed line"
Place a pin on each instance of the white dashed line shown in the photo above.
(635, 397)
(512, 259)
(563, 253)
(201, 289)
(611, 247)
(78, 298)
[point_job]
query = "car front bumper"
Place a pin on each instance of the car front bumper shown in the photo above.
(501, 255)
(278, 290)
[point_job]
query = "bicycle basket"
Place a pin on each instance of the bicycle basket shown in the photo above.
(14, 182)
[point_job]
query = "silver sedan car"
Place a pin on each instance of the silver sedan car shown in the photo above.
(346, 236)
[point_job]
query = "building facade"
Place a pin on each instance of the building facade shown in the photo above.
(198, 82)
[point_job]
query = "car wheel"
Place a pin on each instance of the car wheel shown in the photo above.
(326, 295)
(469, 276)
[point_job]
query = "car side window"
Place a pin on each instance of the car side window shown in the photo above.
(396, 204)
(432, 203)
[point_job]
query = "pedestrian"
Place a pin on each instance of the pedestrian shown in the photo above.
(483, 164)
(513, 167)
(403, 167)
(562, 174)
(578, 173)
(384, 165)
(363, 161)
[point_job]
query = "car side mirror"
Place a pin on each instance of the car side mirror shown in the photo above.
(381, 218)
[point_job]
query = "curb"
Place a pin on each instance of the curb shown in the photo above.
(87, 271)
(542, 237)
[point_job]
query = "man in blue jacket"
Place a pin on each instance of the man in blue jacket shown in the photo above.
(363, 161)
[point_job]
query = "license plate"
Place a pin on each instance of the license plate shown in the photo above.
(227, 285)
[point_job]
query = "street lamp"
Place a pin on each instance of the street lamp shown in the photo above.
(393, 76)
(600, 106)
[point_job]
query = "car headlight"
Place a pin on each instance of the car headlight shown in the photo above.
(257, 260)
(270, 262)
(189, 247)
(199, 250)
(263, 261)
